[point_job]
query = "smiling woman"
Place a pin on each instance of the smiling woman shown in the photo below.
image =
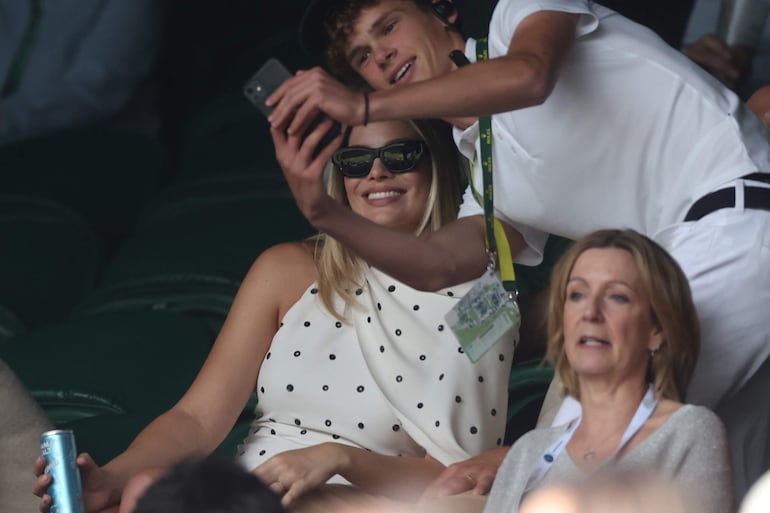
(395, 190)
(624, 338)
(413, 191)
(360, 387)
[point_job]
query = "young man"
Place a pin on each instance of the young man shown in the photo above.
(597, 123)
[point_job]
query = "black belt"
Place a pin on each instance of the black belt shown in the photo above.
(757, 198)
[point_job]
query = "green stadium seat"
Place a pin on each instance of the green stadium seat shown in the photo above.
(530, 279)
(527, 387)
(227, 136)
(104, 174)
(128, 362)
(190, 253)
(50, 259)
(10, 325)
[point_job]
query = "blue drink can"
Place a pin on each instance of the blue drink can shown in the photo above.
(59, 451)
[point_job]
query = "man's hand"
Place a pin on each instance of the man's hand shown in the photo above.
(728, 65)
(298, 101)
(293, 473)
(473, 475)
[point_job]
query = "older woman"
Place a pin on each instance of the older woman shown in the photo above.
(624, 338)
(358, 381)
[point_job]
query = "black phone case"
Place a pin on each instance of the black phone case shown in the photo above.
(265, 81)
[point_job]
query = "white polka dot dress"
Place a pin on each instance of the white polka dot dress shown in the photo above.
(452, 407)
(314, 386)
(396, 387)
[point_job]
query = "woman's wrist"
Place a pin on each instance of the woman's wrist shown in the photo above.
(341, 456)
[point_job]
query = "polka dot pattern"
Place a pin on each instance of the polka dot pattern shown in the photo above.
(383, 379)
(313, 388)
(411, 353)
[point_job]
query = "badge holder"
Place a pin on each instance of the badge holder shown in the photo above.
(489, 310)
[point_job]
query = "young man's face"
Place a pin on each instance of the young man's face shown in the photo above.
(395, 42)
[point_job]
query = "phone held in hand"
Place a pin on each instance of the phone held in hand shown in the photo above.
(264, 83)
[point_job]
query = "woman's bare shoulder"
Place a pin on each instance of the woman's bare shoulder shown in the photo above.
(286, 269)
(288, 254)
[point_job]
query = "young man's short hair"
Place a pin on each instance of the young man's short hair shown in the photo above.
(211, 485)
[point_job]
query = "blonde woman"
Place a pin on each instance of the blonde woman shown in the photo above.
(359, 382)
(624, 338)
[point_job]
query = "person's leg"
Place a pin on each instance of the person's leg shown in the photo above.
(21, 424)
(348, 499)
(726, 257)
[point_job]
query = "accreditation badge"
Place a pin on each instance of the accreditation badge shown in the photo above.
(484, 316)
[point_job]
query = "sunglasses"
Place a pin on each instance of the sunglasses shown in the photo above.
(397, 157)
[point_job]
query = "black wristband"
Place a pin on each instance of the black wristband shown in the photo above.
(366, 108)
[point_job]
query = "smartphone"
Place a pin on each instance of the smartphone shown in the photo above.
(265, 81)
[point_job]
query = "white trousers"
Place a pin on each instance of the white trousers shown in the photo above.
(726, 257)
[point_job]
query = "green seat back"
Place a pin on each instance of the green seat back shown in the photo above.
(49, 259)
(133, 361)
(104, 174)
(527, 386)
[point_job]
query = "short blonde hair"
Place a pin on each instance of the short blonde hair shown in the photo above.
(339, 269)
(671, 309)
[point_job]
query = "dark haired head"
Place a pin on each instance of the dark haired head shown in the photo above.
(211, 485)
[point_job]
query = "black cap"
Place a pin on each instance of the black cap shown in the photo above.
(313, 39)
(312, 34)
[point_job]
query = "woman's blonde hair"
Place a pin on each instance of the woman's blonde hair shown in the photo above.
(339, 269)
(671, 309)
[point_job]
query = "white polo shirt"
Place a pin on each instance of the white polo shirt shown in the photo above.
(632, 134)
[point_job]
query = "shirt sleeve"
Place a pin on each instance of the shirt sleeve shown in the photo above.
(510, 13)
(535, 239)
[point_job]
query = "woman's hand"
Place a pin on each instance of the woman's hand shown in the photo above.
(293, 473)
(473, 475)
(301, 98)
(97, 493)
(304, 173)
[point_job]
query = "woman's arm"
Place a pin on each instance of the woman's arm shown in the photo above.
(453, 254)
(199, 422)
(522, 78)
(475, 474)
(293, 473)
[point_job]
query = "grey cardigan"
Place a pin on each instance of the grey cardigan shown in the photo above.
(691, 447)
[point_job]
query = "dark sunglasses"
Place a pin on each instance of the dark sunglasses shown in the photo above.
(397, 157)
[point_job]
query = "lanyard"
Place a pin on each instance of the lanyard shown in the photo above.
(643, 413)
(494, 229)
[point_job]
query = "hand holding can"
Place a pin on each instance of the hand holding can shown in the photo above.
(58, 449)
